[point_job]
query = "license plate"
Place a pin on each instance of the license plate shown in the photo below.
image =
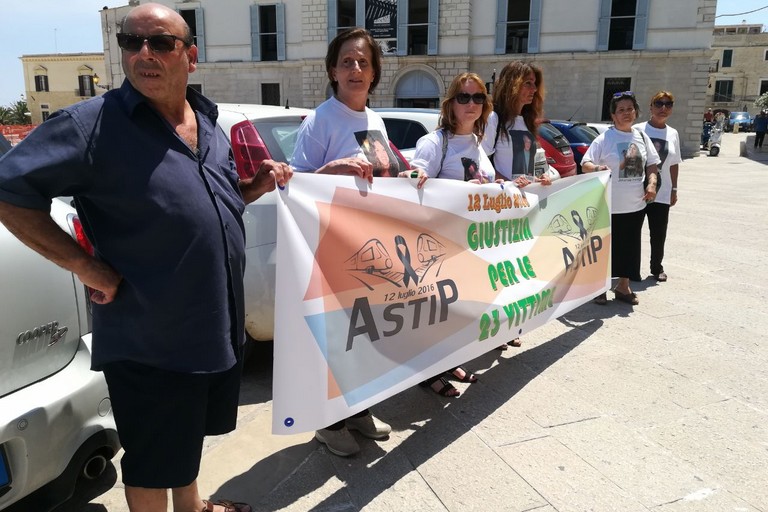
(5, 478)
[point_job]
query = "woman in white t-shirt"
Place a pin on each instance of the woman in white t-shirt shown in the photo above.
(453, 151)
(510, 135)
(343, 136)
(667, 143)
(632, 158)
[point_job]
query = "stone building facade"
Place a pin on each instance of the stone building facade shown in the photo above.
(54, 81)
(739, 67)
(262, 51)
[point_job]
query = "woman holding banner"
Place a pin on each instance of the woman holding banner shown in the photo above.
(339, 137)
(453, 151)
(629, 195)
(518, 100)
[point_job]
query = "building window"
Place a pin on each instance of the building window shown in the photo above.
(41, 83)
(622, 29)
(417, 27)
(763, 87)
(727, 58)
(518, 18)
(417, 89)
(194, 18)
(86, 86)
(270, 94)
(347, 15)
(765, 57)
(610, 87)
(517, 26)
(623, 25)
(46, 114)
(724, 91)
(268, 32)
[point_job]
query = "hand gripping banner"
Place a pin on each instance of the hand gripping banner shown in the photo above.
(380, 286)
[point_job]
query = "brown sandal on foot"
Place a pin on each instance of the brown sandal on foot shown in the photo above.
(468, 377)
(447, 389)
(629, 298)
(229, 506)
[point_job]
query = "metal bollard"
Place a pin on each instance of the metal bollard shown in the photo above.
(735, 127)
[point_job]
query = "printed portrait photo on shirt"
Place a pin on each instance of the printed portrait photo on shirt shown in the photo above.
(377, 151)
(524, 149)
(472, 171)
(661, 149)
(631, 165)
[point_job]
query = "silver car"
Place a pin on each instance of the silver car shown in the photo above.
(56, 420)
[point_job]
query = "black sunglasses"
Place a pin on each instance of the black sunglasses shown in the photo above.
(624, 93)
(659, 104)
(159, 43)
(478, 98)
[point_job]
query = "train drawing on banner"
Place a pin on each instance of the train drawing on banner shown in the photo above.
(373, 263)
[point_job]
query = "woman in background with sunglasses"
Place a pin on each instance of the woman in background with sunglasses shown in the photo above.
(667, 143)
(518, 100)
(453, 152)
(629, 194)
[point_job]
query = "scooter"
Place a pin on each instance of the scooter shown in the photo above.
(711, 135)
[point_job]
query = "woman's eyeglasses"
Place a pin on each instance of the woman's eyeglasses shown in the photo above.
(629, 94)
(478, 98)
(162, 43)
(660, 104)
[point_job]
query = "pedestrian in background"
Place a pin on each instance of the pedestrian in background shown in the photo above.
(761, 126)
(156, 190)
(332, 140)
(667, 143)
(708, 116)
(629, 194)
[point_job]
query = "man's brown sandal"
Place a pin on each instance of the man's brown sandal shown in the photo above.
(229, 506)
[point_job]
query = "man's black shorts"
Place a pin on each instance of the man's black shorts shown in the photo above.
(163, 416)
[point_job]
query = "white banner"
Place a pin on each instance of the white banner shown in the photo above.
(380, 286)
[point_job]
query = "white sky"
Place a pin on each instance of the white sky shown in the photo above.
(29, 27)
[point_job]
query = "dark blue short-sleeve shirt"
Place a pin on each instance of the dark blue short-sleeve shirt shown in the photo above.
(167, 218)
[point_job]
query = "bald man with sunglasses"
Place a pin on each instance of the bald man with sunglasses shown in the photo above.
(156, 190)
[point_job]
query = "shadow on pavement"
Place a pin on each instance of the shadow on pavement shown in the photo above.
(426, 423)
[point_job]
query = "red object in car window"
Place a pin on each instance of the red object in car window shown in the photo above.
(248, 149)
(402, 162)
(557, 149)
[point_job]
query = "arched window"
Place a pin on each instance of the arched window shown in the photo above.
(417, 89)
(41, 79)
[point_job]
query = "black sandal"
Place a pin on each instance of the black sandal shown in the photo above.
(515, 343)
(229, 506)
(468, 377)
(447, 389)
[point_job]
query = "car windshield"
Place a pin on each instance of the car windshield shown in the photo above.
(581, 133)
(739, 115)
(552, 135)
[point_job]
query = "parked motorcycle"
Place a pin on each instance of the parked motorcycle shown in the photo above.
(711, 135)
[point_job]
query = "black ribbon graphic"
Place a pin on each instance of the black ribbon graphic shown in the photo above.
(580, 224)
(405, 256)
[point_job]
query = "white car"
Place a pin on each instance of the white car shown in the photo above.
(259, 132)
(56, 420)
(600, 127)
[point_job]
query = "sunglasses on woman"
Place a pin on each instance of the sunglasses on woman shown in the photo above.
(162, 43)
(659, 104)
(463, 98)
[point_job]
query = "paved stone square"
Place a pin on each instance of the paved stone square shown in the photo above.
(658, 407)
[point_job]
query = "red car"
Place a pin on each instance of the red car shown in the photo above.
(557, 149)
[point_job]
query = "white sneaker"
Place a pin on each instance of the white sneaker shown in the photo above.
(339, 442)
(370, 426)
